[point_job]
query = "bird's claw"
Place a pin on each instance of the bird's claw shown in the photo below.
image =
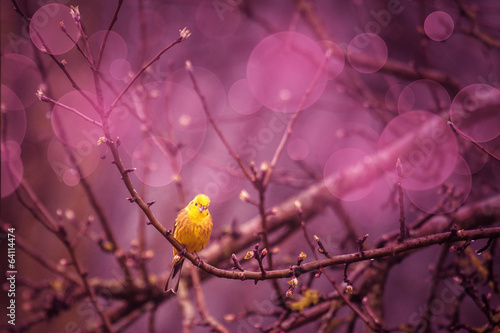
(199, 260)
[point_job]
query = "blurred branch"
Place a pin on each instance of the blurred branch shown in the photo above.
(106, 34)
(391, 66)
(202, 308)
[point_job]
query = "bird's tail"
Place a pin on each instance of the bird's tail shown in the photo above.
(173, 280)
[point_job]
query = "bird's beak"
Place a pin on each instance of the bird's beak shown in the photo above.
(201, 208)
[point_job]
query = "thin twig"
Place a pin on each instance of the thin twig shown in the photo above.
(288, 130)
(179, 39)
(402, 226)
(106, 34)
(236, 157)
(45, 98)
(468, 138)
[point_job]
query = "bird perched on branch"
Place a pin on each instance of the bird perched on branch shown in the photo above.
(192, 229)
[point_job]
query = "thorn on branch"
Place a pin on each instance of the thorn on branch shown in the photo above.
(167, 232)
(132, 200)
(301, 258)
(129, 170)
(151, 202)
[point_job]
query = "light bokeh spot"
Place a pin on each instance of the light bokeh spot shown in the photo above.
(439, 26)
(46, 33)
(282, 67)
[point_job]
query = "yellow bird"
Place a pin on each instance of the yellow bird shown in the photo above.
(192, 229)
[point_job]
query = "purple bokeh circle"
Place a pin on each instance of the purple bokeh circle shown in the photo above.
(439, 26)
(13, 116)
(345, 160)
(367, 53)
(241, 98)
(157, 161)
(282, 67)
(475, 111)
(449, 195)
(45, 31)
(21, 75)
(425, 145)
(424, 95)
(72, 129)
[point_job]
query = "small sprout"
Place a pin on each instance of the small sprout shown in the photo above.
(101, 140)
(64, 62)
(41, 96)
(316, 238)
(69, 214)
(108, 246)
(349, 289)
(244, 196)
(264, 166)
(301, 257)
(289, 293)
(230, 317)
(184, 33)
(263, 253)
(298, 205)
(118, 253)
(62, 264)
(249, 255)
(62, 26)
(130, 262)
(75, 13)
(57, 285)
(294, 282)
(146, 255)
(189, 65)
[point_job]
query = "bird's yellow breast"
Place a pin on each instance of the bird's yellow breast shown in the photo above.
(192, 231)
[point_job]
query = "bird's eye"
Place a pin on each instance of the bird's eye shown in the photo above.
(196, 204)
